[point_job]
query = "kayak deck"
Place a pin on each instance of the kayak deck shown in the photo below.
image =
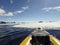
(40, 38)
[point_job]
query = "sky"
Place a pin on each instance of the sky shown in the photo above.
(29, 10)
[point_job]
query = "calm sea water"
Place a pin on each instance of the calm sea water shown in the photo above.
(8, 34)
(54, 33)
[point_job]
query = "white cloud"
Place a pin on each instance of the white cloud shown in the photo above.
(3, 13)
(25, 8)
(11, 1)
(9, 14)
(20, 11)
(57, 8)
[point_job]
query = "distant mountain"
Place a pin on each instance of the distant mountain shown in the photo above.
(2, 22)
(40, 21)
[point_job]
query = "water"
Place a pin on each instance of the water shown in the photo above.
(55, 33)
(9, 34)
(13, 36)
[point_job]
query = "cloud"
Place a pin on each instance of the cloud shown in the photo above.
(57, 8)
(26, 7)
(11, 1)
(9, 14)
(3, 13)
(23, 10)
(20, 11)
